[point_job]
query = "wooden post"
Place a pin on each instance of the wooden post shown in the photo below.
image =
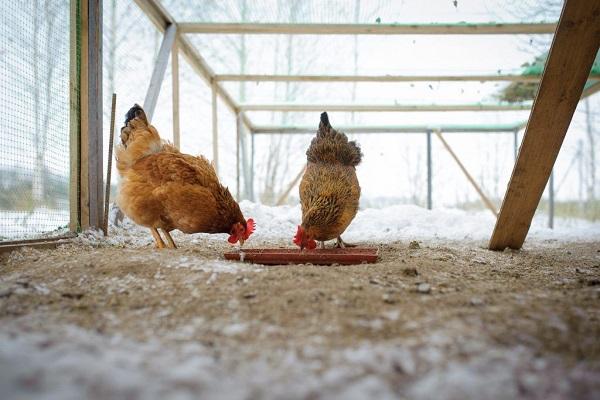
(158, 73)
(252, 179)
(551, 201)
(215, 127)
(484, 198)
(175, 85)
(111, 136)
(75, 115)
(238, 123)
(429, 173)
(90, 129)
(570, 60)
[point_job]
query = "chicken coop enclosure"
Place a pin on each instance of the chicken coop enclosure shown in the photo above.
(244, 82)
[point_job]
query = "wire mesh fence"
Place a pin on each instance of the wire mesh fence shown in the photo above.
(34, 123)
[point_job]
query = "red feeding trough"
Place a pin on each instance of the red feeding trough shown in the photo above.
(348, 256)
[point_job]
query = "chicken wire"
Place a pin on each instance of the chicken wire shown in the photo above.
(34, 123)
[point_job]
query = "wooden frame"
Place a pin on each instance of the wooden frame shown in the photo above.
(382, 78)
(385, 107)
(446, 128)
(160, 16)
(570, 60)
(367, 29)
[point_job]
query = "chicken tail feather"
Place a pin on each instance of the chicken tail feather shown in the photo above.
(331, 146)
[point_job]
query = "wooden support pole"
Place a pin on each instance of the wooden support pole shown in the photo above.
(382, 78)
(570, 60)
(90, 128)
(252, 179)
(215, 127)
(75, 115)
(482, 195)
(175, 85)
(287, 191)
(111, 136)
(384, 107)
(551, 201)
(158, 74)
(368, 29)
(238, 134)
(429, 173)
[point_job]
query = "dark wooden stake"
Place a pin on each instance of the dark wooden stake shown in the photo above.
(111, 137)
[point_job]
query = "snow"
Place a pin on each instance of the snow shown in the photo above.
(380, 225)
(70, 363)
(409, 222)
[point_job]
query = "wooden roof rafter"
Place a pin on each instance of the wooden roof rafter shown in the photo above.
(251, 28)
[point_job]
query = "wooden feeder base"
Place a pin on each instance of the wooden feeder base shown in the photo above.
(348, 256)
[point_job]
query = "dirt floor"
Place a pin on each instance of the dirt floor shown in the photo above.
(427, 321)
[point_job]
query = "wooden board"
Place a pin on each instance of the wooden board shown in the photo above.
(296, 256)
(368, 29)
(572, 53)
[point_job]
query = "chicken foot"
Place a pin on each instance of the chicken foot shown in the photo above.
(171, 243)
(340, 244)
(157, 239)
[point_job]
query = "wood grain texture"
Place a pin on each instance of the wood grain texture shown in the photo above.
(572, 53)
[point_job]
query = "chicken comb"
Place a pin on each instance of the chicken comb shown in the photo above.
(250, 225)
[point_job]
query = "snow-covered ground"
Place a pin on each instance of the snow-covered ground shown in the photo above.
(401, 222)
(70, 363)
(277, 225)
(65, 361)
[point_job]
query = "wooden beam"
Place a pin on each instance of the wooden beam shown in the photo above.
(469, 177)
(161, 18)
(384, 107)
(215, 127)
(368, 29)
(74, 115)
(382, 78)
(175, 87)
(91, 135)
(158, 74)
(570, 60)
(446, 128)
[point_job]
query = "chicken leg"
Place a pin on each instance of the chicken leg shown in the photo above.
(171, 243)
(341, 244)
(157, 239)
(322, 242)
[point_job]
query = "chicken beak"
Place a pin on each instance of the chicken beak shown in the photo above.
(242, 242)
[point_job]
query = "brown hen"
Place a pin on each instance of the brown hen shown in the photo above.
(329, 190)
(162, 188)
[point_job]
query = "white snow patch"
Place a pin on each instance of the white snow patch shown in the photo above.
(66, 362)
